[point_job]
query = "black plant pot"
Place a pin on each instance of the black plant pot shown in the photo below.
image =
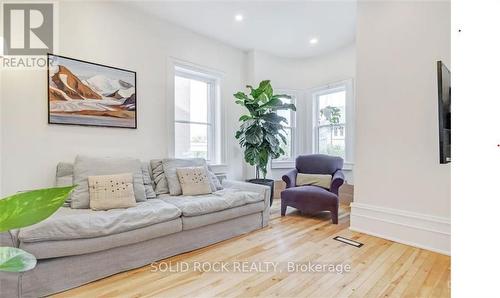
(267, 182)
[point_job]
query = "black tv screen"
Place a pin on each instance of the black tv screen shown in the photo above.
(444, 106)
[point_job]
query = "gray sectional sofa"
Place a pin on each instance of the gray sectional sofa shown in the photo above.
(77, 246)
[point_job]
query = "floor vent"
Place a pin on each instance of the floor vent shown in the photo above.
(348, 241)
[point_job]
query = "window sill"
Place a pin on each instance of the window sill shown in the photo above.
(348, 166)
(283, 164)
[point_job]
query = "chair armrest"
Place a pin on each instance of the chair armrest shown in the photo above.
(245, 186)
(337, 181)
(290, 178)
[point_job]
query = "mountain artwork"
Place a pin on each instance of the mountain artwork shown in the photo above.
(85, 93)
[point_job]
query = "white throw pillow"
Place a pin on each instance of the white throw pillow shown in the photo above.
(194, 181)
(111, 191)
(321, 180)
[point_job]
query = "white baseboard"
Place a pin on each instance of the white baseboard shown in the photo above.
(415, 229)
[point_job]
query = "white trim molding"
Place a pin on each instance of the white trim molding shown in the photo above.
(415, 229)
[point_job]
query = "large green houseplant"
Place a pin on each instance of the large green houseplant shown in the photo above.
(261, 132)
(22, 210)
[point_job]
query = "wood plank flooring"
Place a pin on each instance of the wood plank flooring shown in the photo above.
(380, 268)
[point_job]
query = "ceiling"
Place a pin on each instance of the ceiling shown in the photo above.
(281, 28)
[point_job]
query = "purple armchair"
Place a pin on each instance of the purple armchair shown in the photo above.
(310, 198)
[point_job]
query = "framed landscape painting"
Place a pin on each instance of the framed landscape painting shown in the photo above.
(91, 94)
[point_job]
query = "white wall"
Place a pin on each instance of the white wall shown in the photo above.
(402, 192)
(111, 34)
(300, 76)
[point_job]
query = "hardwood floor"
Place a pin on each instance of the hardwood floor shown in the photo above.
(380, 268)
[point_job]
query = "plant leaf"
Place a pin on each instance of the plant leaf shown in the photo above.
(241, 95)
(245, 118)
(282, 96)
(251, 155)
(272, 140)
(274, 118)
(16, 260)
(266, 88)
(285, 106)
(254, 135)
(274, 102)
(28, 208)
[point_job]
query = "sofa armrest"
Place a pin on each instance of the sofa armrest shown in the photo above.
(245, 186)
(290, 178)
(337, 181)
(9, 238)
(261, 189)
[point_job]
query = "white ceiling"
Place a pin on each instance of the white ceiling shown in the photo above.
(278, 27)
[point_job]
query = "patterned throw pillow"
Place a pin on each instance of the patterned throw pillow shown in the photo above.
(111, 191)
(194, 181)
(170, 167)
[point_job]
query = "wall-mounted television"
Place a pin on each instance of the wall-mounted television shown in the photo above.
(444, 107)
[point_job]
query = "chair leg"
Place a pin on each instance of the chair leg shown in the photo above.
(335, 217)
(283, 209)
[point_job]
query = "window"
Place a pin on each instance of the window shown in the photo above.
(333, 120)
(196, 113)
(289, 148)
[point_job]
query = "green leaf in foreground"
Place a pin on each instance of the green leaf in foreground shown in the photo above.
(16, 260)
(28, 208)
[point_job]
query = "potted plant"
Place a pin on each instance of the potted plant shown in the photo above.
(22, 210)
(261, 132)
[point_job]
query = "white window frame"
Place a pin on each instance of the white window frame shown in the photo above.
(213, 79)
(346, 85)
(288, 163)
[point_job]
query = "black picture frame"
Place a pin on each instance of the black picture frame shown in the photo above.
(52, 122)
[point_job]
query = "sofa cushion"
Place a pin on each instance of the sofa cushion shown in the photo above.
(148, 182)
(214, 181)
(69, 223)
(64, 177)
(217, 201)
(192, 222)
(159, 178)
(72, 247)
(86, 166)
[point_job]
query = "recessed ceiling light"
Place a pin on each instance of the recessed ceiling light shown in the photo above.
(238, 17)
(313, 41)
